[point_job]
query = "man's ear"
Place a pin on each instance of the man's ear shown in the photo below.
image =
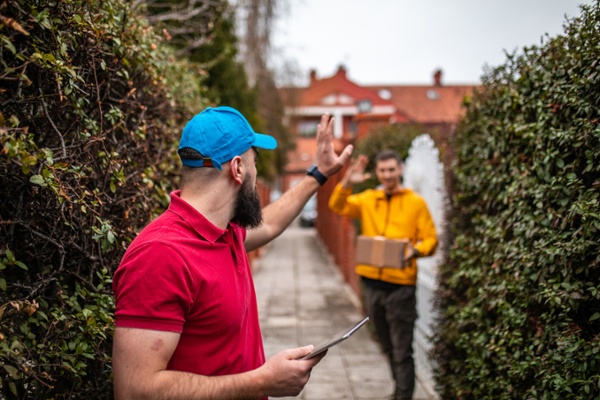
(236, 169)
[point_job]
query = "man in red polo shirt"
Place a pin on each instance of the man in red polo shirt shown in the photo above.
(186, 313)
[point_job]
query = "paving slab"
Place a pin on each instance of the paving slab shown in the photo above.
(302, 299)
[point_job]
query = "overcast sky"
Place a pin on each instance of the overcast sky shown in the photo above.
(405, 41)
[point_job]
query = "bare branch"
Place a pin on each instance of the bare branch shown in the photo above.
(60, 136)
(183, 13)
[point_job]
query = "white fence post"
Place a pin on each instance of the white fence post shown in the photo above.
(424, 173)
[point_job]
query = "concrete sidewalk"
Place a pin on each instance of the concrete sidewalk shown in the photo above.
(302, 299)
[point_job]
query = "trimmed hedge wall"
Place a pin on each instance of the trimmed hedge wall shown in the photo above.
(92, 105)
(520, 292)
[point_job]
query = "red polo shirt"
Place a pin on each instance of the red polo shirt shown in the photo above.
(185, 275)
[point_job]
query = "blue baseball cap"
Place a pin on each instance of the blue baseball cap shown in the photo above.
(219, 134)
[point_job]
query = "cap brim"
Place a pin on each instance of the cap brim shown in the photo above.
(264, 141)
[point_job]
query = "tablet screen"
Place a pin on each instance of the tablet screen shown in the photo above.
(335, 339)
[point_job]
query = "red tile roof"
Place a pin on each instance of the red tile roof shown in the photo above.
(427, 104)
(424, 104)
(338, 84)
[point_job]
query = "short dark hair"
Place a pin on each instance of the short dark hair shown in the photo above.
(387, 155)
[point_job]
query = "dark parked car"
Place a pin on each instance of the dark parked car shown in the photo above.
(308, 215)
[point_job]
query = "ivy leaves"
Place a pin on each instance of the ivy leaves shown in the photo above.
(521, 287)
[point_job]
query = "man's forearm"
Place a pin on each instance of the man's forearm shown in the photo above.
(176, 385)
(140, 359)
(279, 214)
(282, 212)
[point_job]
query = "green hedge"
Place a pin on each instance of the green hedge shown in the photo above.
(92, 106)
(520, 291)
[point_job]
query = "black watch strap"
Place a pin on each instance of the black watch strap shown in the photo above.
(315, 173)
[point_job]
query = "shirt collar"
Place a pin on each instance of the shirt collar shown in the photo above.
(380, 192)
(194, 219)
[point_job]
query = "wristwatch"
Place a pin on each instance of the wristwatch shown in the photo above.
(315, 173)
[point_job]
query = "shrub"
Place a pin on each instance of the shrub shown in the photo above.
(520, 292)
(92, 105)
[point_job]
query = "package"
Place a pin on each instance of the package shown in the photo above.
(381, 252)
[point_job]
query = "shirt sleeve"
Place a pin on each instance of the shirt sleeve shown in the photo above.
(153, 289)
(342, 202)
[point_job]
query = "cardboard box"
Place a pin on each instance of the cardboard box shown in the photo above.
(381, 252)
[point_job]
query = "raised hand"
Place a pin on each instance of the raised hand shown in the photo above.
(328, 162)
(356, 172)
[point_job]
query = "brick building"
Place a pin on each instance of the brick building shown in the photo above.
(358, 109)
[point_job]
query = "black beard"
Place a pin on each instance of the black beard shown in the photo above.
(247, 211)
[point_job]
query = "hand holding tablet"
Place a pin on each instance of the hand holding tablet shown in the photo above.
(335, 339)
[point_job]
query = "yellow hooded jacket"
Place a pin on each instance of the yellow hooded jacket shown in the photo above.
(404, 216)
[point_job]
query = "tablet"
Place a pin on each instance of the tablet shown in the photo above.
(335, 339)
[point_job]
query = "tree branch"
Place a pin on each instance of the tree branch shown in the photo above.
(60, 136)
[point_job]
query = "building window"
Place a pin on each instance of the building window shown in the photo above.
(433, 94)
(364, 106)
(385, 94)
(307, 128)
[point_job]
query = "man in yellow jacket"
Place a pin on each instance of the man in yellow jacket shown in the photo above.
(394, 212)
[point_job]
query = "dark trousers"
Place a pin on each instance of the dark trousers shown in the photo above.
(392, 310)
